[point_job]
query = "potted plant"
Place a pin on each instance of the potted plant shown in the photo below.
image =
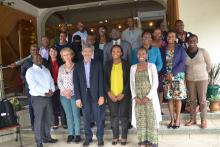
(214, 79)
(214, 103)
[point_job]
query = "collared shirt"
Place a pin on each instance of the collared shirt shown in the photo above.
(44, 52)
(39, 80)
(93, 50)
(65, 79)
(83, 35)
(87, 72)
(133, 36)
(116, 42)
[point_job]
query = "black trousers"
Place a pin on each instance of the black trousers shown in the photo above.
(91, 107)
(119, 111)
(58, 109)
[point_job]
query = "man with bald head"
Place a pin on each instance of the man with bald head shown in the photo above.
(81, 31)
(41, 85)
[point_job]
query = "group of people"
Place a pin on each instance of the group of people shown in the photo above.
(130, 73)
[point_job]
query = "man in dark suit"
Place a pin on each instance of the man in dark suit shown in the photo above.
(126, 46)
(89, 92)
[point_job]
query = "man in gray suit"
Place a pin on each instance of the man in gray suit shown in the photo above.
(126, 46)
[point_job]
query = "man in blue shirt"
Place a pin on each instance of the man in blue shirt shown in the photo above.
(41, 87)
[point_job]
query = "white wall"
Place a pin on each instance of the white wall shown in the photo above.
(202, 17)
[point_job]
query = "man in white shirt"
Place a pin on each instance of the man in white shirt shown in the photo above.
(132, 34)
(44, 50)
(81, 32)
(41, 87)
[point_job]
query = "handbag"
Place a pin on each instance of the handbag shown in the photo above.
(8, 116)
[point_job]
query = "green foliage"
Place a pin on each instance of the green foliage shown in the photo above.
(214, 98)
(214, 75)
(16, 104)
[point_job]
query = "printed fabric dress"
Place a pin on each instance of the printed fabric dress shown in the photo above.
(145, 115)
(177, 88)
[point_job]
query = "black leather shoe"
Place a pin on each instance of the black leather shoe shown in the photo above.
(92, 124)
(64, 126)
(77, 139)
(129, 126)
(51, 140)
(87, 142)
(40, 145)
(115, 141)
(100, 143)
(70, 138)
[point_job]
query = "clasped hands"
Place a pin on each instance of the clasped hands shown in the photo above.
(115, 98)
(141, 101)
(169, 77)
(67, 93)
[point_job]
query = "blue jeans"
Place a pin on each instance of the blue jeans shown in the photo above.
(72, 115)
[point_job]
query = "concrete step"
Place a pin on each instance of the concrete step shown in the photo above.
(213, 128)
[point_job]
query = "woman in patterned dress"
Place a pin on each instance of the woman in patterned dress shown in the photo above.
(174, 57)
(145, 103)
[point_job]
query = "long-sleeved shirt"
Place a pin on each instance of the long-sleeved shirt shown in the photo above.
(44, 52)
(39, 80)
(197, 68)
(133, 36)
(83, 35)
(65, 79)
(87, 72)
(21, 61)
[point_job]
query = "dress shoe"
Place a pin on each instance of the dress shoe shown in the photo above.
(87, 142)
(129, 125)
(77, 138)
(170, 125)
(190, 123)
(70, 138)
(92, 124)
(176, 126)
(203, 124)
(123, 141)
(64, 126)
(55, 127)
(51, 140)
(40, 145)
(100, 143)
(115, 141)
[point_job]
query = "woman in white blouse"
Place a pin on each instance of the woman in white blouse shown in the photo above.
(65, 84)
(145, 103)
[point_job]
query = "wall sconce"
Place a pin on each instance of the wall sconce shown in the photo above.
(151, 24)
(92, 30)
